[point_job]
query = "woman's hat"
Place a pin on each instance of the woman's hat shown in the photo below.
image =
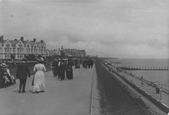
(4, 65)
(24, 59)
(40, 60)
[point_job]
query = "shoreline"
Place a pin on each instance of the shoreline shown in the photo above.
(147, 91)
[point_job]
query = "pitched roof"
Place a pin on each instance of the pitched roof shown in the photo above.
(14, 42)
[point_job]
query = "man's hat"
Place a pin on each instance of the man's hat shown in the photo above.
(24, 59)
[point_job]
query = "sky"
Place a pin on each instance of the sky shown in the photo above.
(106, 28)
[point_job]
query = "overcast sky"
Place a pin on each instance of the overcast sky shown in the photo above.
(114, 28)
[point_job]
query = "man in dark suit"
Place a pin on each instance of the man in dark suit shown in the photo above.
(61, 69)
(22, 73)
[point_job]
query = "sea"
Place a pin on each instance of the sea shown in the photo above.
(160, 77)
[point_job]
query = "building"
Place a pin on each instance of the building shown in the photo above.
(81, 53)
(52, 52)
(17, 49)
(74, 52)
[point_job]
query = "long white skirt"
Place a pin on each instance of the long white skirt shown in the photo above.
(39, 82)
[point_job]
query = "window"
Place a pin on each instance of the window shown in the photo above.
(7, 45)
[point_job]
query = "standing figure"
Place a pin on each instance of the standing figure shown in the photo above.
(1, 77)
(69, 70)
(55, 67)
(85, 63)
(61, 69)
(39, 78)
(22, 73)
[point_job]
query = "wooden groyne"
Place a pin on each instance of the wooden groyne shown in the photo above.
(144, 68)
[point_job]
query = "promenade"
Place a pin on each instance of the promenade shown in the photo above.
(161, 97)
(67, 97)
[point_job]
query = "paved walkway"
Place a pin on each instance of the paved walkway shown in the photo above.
(67, 97)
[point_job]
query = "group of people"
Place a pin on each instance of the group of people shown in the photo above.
(38, 81)
(88, 63)
(22, 73)
(6, 78)
(62, 68)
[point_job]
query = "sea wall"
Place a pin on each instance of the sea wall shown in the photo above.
(159, 104)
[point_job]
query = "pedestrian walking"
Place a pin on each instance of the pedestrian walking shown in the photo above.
(55, 67)
(39, 78)
(69, 70)
(61, 69)
(22, 73)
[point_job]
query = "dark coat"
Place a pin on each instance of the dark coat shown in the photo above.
(1, 77)
(22, 71)
(61, 70)
(55, 68)
(69, 70)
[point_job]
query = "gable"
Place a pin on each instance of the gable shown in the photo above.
(20, 44)
(28, 44)
(7, 43)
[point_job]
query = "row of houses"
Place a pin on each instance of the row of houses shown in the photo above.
(67, 52)
(19, 48)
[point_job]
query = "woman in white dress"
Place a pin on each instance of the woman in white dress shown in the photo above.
(39, 78)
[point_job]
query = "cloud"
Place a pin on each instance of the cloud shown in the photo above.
(103, 27)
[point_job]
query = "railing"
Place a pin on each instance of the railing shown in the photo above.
(144, 68)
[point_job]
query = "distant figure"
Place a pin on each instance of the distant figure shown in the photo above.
(142, 83)
(39, 78)
(69, 70)
(22, 73)
(55, 67)
(61, 69)
(85, 63)
(157, 89)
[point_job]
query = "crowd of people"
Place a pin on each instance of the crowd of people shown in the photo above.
(22, 73)
(88, 63)
(61, 68)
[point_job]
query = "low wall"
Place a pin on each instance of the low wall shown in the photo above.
(148, 96)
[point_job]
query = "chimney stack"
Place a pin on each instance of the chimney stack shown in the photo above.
(22, 38)
(34, 39)
(1, 38)
(41, 41)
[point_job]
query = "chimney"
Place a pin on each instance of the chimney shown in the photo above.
(1, 38)
(41, 41)
(22, 38)
(34, 39)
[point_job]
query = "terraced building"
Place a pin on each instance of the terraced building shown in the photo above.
(18, 48)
